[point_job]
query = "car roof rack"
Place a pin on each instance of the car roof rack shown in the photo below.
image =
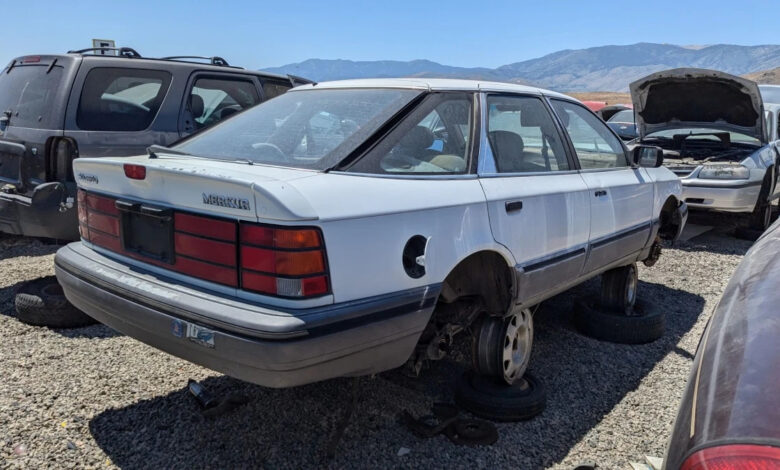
(215, 60)
(123, 51)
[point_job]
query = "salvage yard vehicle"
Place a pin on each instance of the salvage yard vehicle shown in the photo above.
(711, 126)
(345, 228)
(729, 416)
(622, 122)
(58, 107)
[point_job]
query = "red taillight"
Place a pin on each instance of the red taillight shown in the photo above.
(734, 457)
(31, 59)
(135, 172)
(276, 261)
(99, 220)
(206, 226)
(82, 208)
(283, 262)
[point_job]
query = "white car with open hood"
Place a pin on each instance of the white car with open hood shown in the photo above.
(716, 137)
(344, 228)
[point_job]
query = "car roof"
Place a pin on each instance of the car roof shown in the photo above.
(159, 63)
(435, 84)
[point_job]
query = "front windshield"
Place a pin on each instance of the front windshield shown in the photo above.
(706, 135)
(770, 94)
(315, 128)
(626, 115)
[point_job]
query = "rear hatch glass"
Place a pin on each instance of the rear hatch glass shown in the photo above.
(28, 91)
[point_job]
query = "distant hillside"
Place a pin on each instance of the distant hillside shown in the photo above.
(605, 68)
(765, 77)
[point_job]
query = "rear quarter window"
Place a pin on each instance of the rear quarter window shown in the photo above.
(117, 99)
(28, 92)
(272, 88)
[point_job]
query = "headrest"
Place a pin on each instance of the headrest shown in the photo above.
(196, 106)
(418, 138)
(505, 142)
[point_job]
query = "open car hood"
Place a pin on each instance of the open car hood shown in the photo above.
(689, 98)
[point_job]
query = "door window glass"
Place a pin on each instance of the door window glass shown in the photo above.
(594, 143)
(115, 99)
(214, 99)
(523, 137)
(433, 139)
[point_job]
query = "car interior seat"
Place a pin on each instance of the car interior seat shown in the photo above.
(508, 149)
(417, 142)
(197, 107)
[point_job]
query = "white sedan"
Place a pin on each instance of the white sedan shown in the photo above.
(344, 227)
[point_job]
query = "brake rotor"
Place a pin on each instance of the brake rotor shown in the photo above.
(472, 432)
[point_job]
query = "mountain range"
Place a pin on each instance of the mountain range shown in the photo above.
(603, 68)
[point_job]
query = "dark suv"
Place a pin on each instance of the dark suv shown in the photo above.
(59, 107)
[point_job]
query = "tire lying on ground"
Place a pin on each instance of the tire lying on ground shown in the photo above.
(42, 303)
(643, 326)
(492, 399)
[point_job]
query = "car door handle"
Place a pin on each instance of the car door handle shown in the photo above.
(600, 193)
(513, 206)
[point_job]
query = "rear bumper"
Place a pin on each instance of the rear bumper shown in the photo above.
(739, 196)
(270, 347)
(39, 217)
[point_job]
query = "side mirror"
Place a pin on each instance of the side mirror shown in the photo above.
(648, 156)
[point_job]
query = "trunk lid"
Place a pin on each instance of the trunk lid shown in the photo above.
(697, 98)
(236, 190)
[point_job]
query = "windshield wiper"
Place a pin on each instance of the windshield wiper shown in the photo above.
(153, 150)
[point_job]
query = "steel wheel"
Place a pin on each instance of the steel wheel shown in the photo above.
(518, 338)
(502, 347)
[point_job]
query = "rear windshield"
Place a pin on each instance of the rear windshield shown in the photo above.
(28, 92)
(626, 115)
(305, 129)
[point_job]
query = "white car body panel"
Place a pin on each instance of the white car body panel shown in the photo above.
(563, 234)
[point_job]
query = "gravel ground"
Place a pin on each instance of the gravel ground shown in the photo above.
(91, 398)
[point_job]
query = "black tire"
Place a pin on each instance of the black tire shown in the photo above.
(761, 217)
(494, 400)
(618, 288)
(42, 303)
(643, 327)
(487, 350)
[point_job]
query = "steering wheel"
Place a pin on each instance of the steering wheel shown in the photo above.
(270, 152)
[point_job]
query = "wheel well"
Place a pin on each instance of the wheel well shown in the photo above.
(485, 275)
(669, 220)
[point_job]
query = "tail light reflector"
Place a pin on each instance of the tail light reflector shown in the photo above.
(734, 457)
(81, 205)
(207, 250)
(135, 172)
(283, 262)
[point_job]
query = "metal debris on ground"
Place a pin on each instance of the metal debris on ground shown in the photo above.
(445, 420)
(211, 406)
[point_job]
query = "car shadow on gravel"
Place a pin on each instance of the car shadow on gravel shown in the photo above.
(292, 428)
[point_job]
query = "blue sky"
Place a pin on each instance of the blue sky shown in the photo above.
(262, 34)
